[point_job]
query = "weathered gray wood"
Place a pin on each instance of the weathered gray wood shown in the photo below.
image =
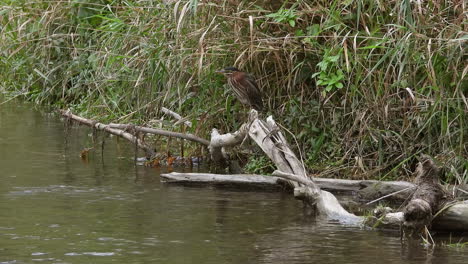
(100, 126)
(426, 200)
(341, 185)
(219, 143)
(333, 185)
(240, 180)
(123, 130)
(271, 140)
(372, 189)
(269, 137)
(292, 177)
(161, 132)
(455, 218)
(176, 177)
(452, 219)
(366, 190)
(427, 205)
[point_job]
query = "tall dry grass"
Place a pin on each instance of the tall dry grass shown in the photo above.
(366, 86)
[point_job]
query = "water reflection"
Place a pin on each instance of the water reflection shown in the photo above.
(58, 209)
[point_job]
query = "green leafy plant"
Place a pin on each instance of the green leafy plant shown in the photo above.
(259, 165)
(330, 75)
(459, 245)
(312, 32)
(284, 15)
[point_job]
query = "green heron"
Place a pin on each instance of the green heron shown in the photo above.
(244, 86)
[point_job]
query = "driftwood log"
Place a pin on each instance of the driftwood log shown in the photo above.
(426, 199)
(270, 139)
(266, 134)
(366, 190)
(453, 217)
(428, 206)
(244, 181)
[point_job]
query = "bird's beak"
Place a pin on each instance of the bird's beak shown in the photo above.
(222, 71)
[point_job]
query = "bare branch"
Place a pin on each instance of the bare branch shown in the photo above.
(92, 123)
(162, 132)
(176, 116)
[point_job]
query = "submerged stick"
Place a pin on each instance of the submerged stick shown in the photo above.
(121, 130)
(92, 123)
(390, 194)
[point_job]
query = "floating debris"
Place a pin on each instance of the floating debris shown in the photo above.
(176, 161)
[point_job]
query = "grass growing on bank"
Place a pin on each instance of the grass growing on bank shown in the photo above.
(366, 86)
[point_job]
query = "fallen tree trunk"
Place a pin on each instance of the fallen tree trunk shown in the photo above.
(419, 212)
(366, 190)
(428, 206)
(240, 180)
(334, 185)
(371, 189)
(269, 138)
(426, 200)
(452, 218)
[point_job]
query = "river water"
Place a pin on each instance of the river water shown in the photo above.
(57, 208)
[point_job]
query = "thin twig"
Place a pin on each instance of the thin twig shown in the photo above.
(162, 132)
(388, 195)
(176, 116)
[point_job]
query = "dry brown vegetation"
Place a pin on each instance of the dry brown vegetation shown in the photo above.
(364, 85)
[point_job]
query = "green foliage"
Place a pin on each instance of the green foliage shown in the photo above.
(312, 32)
(330, 75)
(459, 245)
(259, 165)
(456, 245)
(283, 15)
(396, 71)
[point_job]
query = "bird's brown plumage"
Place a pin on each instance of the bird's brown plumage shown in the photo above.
(245, 88)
